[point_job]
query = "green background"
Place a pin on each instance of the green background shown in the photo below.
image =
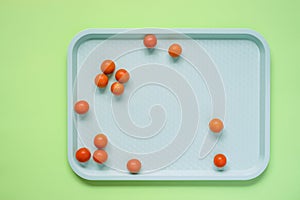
(34, 36)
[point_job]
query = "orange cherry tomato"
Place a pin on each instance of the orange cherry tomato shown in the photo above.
(134, 166)
(101, 80)
(220, 160)
(100, 141)
(108, 66)
(122, 76)
(216, 125)
(150, 41)
(117, 88)
(100, 156)
(83, 154)
(175, 50)
(81, 107)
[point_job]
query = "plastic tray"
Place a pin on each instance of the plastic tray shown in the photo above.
(162, 117)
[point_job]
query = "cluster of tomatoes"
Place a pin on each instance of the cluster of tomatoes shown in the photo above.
(101, 81)
(122, 76)
(100, 156)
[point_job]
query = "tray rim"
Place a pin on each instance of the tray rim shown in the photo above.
(221, 31)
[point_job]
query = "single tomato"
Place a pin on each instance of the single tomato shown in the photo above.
(108, 66)
(101, 80)
(220, 160)
(117, 88)
(122, 76)
(150, 41)
(83, 154)
(175, 50)
(100, 141)
(216, 125)
(81, 107)
(100, 156)
(134, 166)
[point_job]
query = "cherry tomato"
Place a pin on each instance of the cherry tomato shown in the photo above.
(117, 88)
(175, 50)
(150, 41)
(216, 125)
(122, 76)
(134, 166)
(108, 66)
(83, 154)
(100, 156)
(220, 160)
(81, 107)
(100, 141)
(101, 80)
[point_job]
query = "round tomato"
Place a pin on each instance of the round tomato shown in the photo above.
(83, 154)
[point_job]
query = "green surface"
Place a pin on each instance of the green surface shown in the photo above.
(34, 36)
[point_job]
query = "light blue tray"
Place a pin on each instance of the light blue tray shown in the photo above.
(162, 117)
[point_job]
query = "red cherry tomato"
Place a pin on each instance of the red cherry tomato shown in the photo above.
(83, 154)
(122, 76)
(220, 160)
(108, 66)
(175, 50)
(117, 88)
(101, 80)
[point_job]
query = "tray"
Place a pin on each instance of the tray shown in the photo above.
(162, 118)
